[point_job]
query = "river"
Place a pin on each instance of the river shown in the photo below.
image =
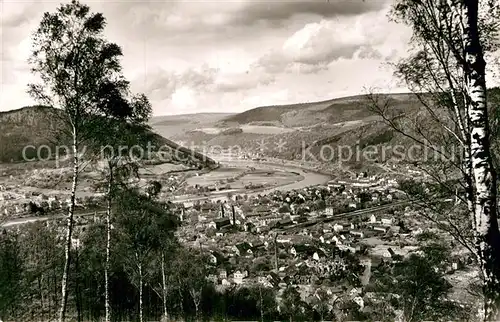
(309, 179)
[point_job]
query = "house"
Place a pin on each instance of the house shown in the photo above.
(219, 223)
(387, 221)
(248, 226)
(357, 233)
(381, 229)
(273, 278)
(267, 220)
(262, 211)
(283, 240)
(305, 250)
(206, 207)
(222, 274)
(262, 229)
(373, 219)
(294, 218)
(243, 249)
(346, 248)
(215, 258)
(285, 222)
(395, 229)
(75, 243)
(338, 227)
(239, 276)
(386, 251)
(258, 246)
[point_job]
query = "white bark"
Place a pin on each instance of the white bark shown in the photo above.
(276, 252)
(487, 237)
(108, 246)
(196, 296)
(139, 265)
(164, 280)
(69, 230)
(262, 304)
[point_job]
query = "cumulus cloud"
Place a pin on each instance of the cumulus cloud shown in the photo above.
(162, 84)
(315, 45)
(191, 84)
(278, 12)
(206, 21)
(224, 56)
(241, 81)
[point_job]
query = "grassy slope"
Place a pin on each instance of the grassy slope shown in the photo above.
(343, 122)
(310, 114)
(37, 126)
(337, 121)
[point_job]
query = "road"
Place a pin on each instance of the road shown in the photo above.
(310, 179)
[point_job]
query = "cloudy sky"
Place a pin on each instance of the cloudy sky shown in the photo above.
(227, 56)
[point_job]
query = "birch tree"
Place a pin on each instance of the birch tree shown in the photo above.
(77, 68)
(123, 134)
(140, 222)
(191, 275)
(168, 246)
(487, 236)
(446, 71)
(11, 268)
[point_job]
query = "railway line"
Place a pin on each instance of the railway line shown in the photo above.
(344, 215)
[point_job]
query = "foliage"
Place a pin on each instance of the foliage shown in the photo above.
(412, 188)
(419, 289)
(11, 275)
(292, 304)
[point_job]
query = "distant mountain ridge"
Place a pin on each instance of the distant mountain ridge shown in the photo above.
(287, 131)
(307, 114)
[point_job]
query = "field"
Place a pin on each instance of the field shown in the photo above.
(238, 178)
(256, 129)
(163, 168)
(218, 175)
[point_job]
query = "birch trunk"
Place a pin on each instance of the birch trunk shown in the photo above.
(261, 305)
(196, 296)
(276, 253)
(140, 291)
(69, 230)
(108, 245)
(164, 278)
(487, 236)
(78, 295)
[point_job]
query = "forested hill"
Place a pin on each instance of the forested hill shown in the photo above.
(39, 125)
